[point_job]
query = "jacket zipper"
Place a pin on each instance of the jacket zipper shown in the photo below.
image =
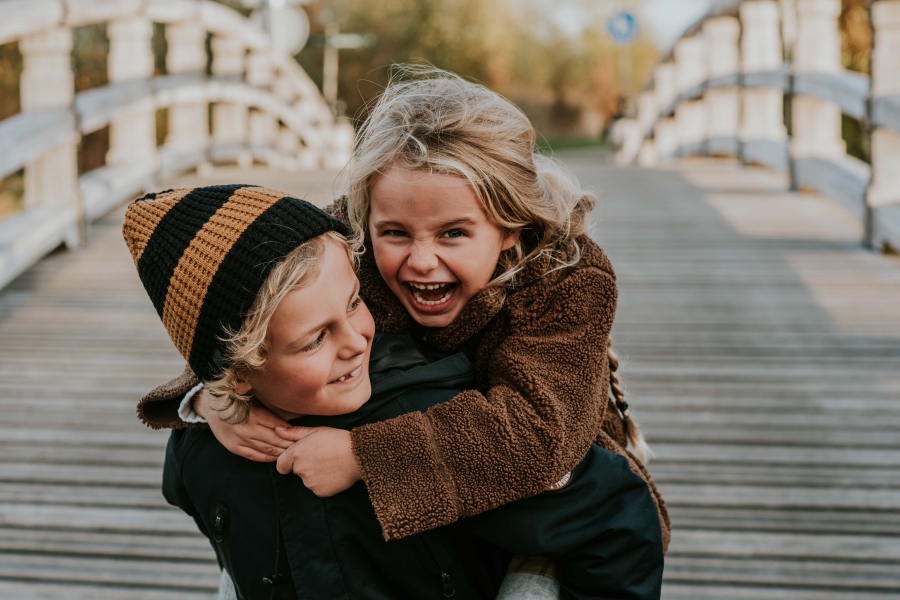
(220, 531)
(449, 590)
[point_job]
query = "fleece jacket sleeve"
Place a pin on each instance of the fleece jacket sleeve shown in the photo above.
(547, 379)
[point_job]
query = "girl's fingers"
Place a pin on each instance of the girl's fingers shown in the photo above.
(285, 463)
(268, 449)
(255, 455)
(267, 419)
(294, 434)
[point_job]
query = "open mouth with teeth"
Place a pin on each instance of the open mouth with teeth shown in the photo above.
(349, 376)
(431, 295)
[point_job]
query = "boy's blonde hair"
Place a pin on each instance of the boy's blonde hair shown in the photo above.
(248, 347)
(432, 120)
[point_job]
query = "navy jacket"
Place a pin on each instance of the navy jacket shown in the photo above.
(278, 540)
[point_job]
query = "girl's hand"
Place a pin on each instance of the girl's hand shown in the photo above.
(322, 457)
(255, 439)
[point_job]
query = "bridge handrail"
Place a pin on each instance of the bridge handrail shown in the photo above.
(264, 108)
(720, 92)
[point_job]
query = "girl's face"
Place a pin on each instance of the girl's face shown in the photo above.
(434, 244)
(319, 342)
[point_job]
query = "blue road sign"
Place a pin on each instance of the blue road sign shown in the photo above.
(622, 27)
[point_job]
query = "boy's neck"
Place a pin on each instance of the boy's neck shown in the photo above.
(282, 414)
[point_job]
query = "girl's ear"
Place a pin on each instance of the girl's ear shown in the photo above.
(510, 240)
(242, 386)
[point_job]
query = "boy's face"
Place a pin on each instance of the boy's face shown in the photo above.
(320, 337)
(434, 244)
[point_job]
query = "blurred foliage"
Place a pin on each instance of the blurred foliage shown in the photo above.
(91, 47)
(92, 149)
(567, 83)
(856, 50)
(12, 194)
(856, 35)
(855, 136)
(10, 70)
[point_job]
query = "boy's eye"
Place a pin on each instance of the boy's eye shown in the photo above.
(355, 304)
(319, 339)
(454, 233)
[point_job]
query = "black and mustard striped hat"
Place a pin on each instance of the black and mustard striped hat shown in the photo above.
(203, 254)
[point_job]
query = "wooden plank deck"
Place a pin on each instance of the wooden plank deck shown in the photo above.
(762, 351)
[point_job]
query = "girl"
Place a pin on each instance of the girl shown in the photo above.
(472, 242)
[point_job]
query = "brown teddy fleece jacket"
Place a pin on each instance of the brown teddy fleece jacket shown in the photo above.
(541, 399)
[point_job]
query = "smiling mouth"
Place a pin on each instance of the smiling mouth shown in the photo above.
(431, 294)
(348, 376)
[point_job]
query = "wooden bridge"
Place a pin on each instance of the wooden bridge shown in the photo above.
(761, 337)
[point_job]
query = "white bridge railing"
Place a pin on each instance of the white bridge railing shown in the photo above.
(722, 91)
(263, 107)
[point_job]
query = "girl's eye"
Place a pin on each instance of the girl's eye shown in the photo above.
(395, 233)
(317, 343)
(454, 233)
(355, 304)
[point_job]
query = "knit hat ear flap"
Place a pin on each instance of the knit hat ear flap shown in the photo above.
(203, 254)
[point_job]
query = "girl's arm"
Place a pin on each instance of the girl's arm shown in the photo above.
(547, 390)
(254, 439)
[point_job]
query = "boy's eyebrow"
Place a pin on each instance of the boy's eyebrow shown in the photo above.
(462, 221)
(299, 341)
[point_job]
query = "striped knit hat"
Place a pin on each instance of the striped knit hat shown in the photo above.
(203, 254)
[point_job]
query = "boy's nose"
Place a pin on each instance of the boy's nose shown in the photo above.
(354, 342)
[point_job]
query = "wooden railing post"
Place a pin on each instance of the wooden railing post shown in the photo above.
(230, 120)
(884, 193)
(723, 96)
(132, 135)
(188, 132)
(762, 132)
(647, 113)
(690, 114)
(47, 83)
(263, 126)
(816, 123)
(665, 133)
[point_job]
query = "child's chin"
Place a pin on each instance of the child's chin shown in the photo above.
(351, 400)
(434, 320)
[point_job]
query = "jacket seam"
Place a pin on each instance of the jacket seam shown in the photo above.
(443, 470)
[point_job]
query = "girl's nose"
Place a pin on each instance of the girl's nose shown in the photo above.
(422, 259)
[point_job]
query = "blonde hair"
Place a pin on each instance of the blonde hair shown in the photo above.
(248, 347)
(432, 120)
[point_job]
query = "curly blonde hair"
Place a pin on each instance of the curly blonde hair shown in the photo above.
(435, 121)
(248, 347)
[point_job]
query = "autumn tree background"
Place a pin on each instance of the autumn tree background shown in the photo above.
(565, 79)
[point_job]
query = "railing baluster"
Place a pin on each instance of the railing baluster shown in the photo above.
(884, 193)
(187, 139)
(47, 83)
(723, 96)
(763, 134)
(816, 123)
(132, 133)
(230, 120)
(690, 113)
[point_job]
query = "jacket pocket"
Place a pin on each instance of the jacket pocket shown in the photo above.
(220, 537)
